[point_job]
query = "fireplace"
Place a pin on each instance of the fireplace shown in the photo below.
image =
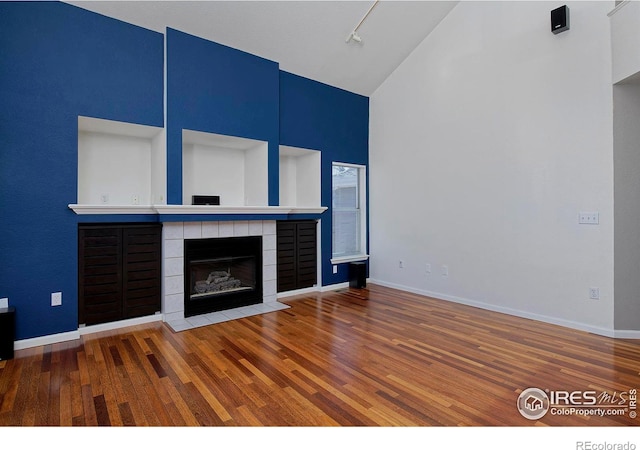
(222, 273)
(174, 238)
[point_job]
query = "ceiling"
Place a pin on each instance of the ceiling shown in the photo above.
(307, 38)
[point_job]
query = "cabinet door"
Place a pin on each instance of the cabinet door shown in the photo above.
(141, 270)
(296, 255)
(99, 275)
(307, 256)
(119, 272)
(286, 256)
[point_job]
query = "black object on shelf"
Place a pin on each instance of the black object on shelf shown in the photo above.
(7, 332)
(205, 200)
(358, 274)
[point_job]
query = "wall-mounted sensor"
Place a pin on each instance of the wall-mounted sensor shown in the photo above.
(560, 19)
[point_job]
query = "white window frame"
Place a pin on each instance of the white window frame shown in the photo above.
(362, 207)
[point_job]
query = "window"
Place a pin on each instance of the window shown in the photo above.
(348, 212)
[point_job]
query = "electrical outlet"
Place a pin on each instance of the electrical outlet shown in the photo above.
(335, 269)
(445, 271)
(135, 200)
(428, 268)
(594, 293)
(401, 264)
(104, 198)
(56, 298)
(4, 302)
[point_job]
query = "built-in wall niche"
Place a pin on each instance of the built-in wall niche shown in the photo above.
(299, 177)
(120, 164)
(233, 168)
(625, 41)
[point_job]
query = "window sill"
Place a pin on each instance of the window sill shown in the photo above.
(346, 259)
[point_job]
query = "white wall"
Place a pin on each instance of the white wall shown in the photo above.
(627, 200)
(159, 169)
(115, 166)
(211, 170)
(288, 181)
(308, 179)
(485, 144)
(299, 177)
(256, 175)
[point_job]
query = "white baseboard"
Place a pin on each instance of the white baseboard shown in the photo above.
(335, 287)
(619, 334)
(46, 340)
(311, 290)
(626, 334)
(119, 324)
(73, 335)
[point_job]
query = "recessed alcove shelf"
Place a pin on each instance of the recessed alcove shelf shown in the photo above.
(233, 168)
(299, 177)
(625, 42)
(122, 170)
(120, 165)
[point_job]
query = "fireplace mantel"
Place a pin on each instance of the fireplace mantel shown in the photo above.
(210, 209)
(194, 209)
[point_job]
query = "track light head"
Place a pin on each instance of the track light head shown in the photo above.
(353, 36)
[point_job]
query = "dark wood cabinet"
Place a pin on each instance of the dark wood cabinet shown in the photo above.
(297, 255)
(119, 271)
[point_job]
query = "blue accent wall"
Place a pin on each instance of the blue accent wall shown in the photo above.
(320, 117)
(57, 62)
(218, 89)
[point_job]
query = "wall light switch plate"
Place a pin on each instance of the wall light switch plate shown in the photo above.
(589, 218)
(335, 269)
(56, 298)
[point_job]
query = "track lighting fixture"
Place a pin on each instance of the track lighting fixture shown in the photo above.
(354, 36)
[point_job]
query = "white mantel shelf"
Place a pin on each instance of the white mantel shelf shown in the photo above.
(194, 209)
(112, 209)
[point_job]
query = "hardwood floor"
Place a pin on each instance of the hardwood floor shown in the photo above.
(370, 357)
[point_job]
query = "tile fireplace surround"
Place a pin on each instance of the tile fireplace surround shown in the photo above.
(173, 236)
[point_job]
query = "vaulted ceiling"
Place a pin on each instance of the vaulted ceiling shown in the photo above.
(307, 38)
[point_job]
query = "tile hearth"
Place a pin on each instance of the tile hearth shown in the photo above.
(224, 316)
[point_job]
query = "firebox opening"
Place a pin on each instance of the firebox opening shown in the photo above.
(222, 273)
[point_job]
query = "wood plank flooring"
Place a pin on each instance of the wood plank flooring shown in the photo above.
(370, 357)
